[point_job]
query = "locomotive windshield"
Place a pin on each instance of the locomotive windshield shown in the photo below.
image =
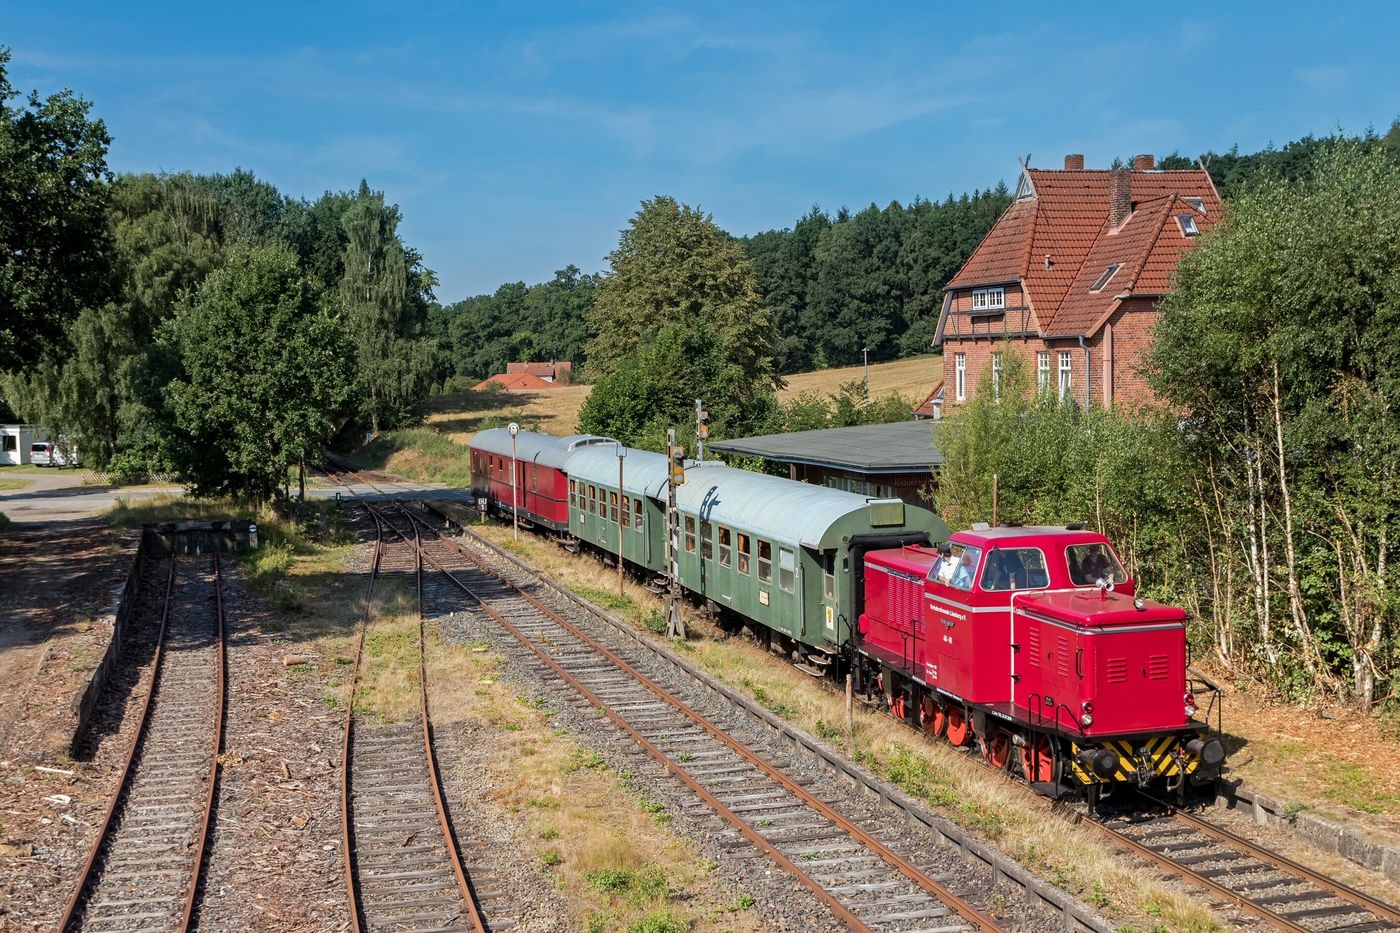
(1015, 568)
(1090, 563)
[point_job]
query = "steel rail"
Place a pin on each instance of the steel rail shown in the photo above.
(130, 759)
(220, 691)
(346, 830)
(430, 753)
(967, 911)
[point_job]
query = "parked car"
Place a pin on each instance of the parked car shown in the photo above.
(47, 453)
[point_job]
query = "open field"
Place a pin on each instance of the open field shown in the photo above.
(910, 379)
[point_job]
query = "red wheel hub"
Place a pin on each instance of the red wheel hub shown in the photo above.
(932, 717)
(897, 706)
(1038, 760)
(958, 730)
(996, 749)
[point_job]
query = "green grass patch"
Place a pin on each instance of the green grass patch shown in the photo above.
(10, 482)
(418, 453)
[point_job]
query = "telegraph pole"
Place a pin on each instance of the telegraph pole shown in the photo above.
(621, 514)
(675, 625)
(514, 492)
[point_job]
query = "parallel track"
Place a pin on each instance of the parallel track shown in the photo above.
(864, 883)
(402, 867)
(143, 870)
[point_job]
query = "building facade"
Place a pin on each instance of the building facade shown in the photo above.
(1068, 280)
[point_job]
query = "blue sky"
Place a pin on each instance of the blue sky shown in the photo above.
(519, 138)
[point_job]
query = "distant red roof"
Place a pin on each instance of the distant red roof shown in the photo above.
(516, 381)
(560, 371)
(1057, 238)
(926, 408)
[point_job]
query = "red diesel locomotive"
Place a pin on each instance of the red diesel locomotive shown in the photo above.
(1030, 641)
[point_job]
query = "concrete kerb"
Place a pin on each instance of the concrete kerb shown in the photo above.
(115, 617)
(1075, 914)
(1316, 830)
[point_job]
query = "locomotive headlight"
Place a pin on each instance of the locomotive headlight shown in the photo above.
(1139, 604)
(1086, 713)
(1190, 705)
(1087, 720)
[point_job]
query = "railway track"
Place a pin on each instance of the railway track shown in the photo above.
(1255, 880)
(143, 870)
(865, 883)
(403, 870)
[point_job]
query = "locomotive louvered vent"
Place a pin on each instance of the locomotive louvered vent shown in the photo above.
(1115, 670)
(1033, 643)
(1062, 656)
(1157, 667)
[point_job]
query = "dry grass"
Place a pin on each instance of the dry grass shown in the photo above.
(7, 482)
(614, 858)
(910, 379)
(462, 414)
(949, 780)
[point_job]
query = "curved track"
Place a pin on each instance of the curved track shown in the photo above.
(402, 867)
(143, 871)
(864, 883)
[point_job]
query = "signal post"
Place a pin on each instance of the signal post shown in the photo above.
(675, 625)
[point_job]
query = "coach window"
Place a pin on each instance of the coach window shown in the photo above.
(744, 550)
(573, 493)
(787, 570)
(626, 511)
(612, 509)
(690, 534)
(765, 562)
(707, 541)
(829, 574)
(592, 499)
(637, 513)
(724, 549)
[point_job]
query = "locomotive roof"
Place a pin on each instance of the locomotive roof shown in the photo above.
(1029, 534)
(782, 510)
(533, 446)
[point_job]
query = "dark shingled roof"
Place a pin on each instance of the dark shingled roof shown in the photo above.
(901, 447)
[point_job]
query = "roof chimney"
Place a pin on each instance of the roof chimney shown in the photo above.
(1074, 162)
(1144, 162)
(1120, 196)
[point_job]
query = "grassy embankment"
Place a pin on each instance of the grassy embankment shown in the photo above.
(604, 841)
(949, 780)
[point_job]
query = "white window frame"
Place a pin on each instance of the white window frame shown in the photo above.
(996, 376)
(989, 299)
(960, 375)
(1066, 374)
(1042, 371)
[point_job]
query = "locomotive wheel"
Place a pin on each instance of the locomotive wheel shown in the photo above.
(1038, 759)
(932, 717)
(996, 749)
(958, 729)
(897, 706)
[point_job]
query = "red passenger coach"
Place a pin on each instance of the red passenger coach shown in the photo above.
(1030, 640)
(541, 483)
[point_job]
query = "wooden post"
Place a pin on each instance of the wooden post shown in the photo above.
(850, 710)
(994, 500)
(621, 505)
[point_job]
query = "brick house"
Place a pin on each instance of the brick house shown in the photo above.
(559, 372)
(1069, 278)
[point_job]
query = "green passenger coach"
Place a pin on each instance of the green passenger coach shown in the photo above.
(597, 512)
(783, 553)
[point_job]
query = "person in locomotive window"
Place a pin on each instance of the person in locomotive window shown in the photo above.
(943, 565)
(1090, 563)
(966, 570)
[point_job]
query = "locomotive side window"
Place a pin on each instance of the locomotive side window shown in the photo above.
(787, 570)
(959, 569)
(690, 534)
(724, 548)
(765, 562)
(744, 551)
(1015, 568)
(1090, 563)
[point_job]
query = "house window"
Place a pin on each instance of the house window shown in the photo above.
(724, 549)
(612, 509)
(744, 551)
(1042, 371)
(1188, 225)
(707, 541)
(960, 367)
(787, 570)
(1104, 276)
(1066, 374)
(996, 376)
(637, 513)
(765, 562)
(11, 443)
(1198, 203)
(988, 299)
(626, 511)
(690, 534)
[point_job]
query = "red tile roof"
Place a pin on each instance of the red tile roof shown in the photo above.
(1058, 240)
(926, 408)
(516, 381)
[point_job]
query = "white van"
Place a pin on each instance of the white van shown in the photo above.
(46, 453)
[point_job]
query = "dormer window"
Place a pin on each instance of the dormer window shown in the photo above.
(1188, 225)
(1198, 203)
(1104, 276)
(988, 299)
